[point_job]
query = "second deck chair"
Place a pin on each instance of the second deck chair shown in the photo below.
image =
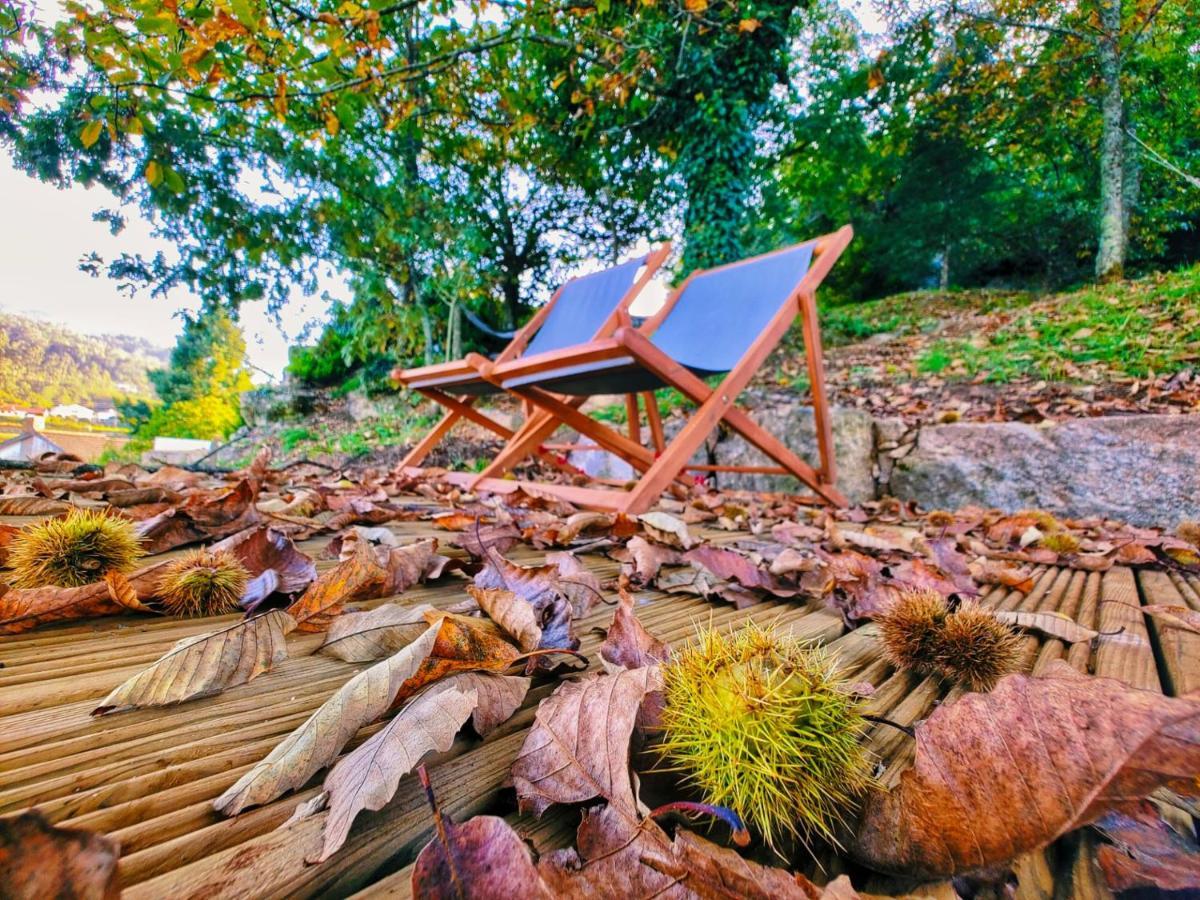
(722, 322)
(583, 309)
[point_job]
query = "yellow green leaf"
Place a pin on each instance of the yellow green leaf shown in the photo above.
(91, 132)
(153, 173)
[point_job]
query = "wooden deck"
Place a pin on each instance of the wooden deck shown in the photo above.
(147, 777)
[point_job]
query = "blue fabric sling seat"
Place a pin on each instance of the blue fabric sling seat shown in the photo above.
(581, 308)
(716, 318)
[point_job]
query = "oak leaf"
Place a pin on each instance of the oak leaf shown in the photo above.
(206, 664)
(1004, 773)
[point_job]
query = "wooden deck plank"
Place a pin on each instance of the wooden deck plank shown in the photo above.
(1178, 648)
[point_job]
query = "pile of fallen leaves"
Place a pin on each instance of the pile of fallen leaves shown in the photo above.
(994, 775)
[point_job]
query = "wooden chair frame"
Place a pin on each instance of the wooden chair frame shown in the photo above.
(714, 404)
(536, 420)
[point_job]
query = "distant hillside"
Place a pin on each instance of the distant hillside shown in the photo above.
(43, 364)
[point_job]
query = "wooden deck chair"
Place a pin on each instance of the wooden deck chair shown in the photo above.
(722, 322)
(585, 308)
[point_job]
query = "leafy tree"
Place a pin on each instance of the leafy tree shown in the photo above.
(200, 387)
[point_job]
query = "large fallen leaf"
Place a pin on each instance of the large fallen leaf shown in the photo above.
(367, 777)
(511, 613)
(39, 860)
(206, 664)
(24, 608)
(1001, 774)
(463, 644)
(203, 516)
(1146, 852)
(628, 645)
(372, 635)
(317, 742)
(578, 747)
(1052, 624)
(731, 565)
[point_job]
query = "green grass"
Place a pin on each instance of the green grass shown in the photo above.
(1127, 329)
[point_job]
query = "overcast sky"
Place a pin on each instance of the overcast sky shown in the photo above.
(46, 231)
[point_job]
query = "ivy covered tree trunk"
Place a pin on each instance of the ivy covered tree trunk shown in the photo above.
(717, 166)
(1114, 237)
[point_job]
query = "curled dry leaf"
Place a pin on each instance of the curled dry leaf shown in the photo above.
(987, 571)
(577, 582)
(1000, 774)
(123, 593)
(628, 645)
(24, 608)
(731, 565)
(616, 857)
(641, 560)
(203, 516)
(317, 742)
(38, 860)
(540, 587)
(206, 664)
(511, 613)
(1176, 616)
(367, 777)
(1146, 852)
(667, 529)
(369, 573)
(263, 548)
(1052, 624)
(487, 539)
(578, 747)
(464, 644)
(372, 635)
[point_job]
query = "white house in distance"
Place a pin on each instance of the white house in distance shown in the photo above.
(73, 411)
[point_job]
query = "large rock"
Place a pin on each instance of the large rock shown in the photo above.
(1142, 469)
(792, 423)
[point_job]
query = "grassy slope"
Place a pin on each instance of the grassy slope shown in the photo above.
(1136, 329)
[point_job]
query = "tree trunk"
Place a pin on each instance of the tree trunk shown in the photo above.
(717, 168)
(1114, 236)
(1131, 184)
(944, 269)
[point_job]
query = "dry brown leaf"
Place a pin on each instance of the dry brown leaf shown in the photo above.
(31, 505)
(202, 516)
(987, 571)
(368, 776)
(123, 593)
(368, 636)
(628, 645)
(616, 857)
(576, 581)
(317, 742)
(358, 578)
(206, 664)
(24, 608)
(511, 613)
(541, 588)
(667, 529)
(1176, 616)
(39, 860)
(1052, 624)
(464, 644)
(641, 560)
(263, 548)
(1001, 774)
(578, 747)
(730, 565)
(1146, 852)
(458, 521)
